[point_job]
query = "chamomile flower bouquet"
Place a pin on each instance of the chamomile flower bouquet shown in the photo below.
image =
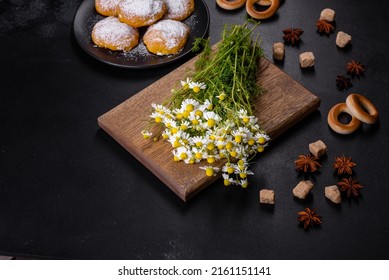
(210, 115)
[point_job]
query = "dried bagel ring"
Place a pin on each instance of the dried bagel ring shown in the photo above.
(336, 125)
(254, 13)
(230, 5)
(362, 108)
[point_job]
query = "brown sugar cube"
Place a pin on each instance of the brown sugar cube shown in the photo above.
(333, 194)
(307, 59)
(279, 51)
(318, 148)
(327, 15)
(302, 189)
(343, 39)
(266, 196)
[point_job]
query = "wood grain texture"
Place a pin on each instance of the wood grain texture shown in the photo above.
(284, 103)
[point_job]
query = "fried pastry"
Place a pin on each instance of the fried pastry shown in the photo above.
(112, 34)
(166, 37)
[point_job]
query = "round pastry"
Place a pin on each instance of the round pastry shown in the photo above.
(362, 108)
(179, 9)
(255, 13)
(138, 13)
(230, 4)
(112, 34)
(166, 37)
(336, 125)
(106, 7)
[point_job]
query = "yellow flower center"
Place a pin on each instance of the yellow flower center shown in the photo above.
(211, 123)
(210, 146)
(226, 182)
(209, 172)
(185, 114)
(230, 170)
(243, 175)
(229, 145)
(210, 159)
(246, 119)
(261, 140)
(184, 127)
(198, 155)
(183, 156)
(179, 116)
(238, 138)
(195, 121)
(260, 149)
(158, 119)
(233, 153)
(196, 89)
(189, 107)
(199, 113)
(251, 142)
(174, 130)
(176, 144)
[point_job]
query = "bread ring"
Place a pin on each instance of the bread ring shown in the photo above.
(230, 4)
(362, 108)
(337, 126)
(253, 12)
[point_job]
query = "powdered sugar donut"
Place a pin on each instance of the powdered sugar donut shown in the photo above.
(106, 7)
(179, 9)
(166, 37)
(138, 13)
(112, 34)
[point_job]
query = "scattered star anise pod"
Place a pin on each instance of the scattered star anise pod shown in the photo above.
(350, 186)
(307, 163)
(309, 218)
(292, 35)
(324, 26)
(343, 165)
(355, 68)
(343, 83)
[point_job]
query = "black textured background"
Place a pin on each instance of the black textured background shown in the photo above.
(67, 190)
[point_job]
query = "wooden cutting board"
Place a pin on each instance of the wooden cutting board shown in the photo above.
(284, 103)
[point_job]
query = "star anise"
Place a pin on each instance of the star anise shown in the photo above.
(343, 165)
(324, 26)
(342, 82)
(292, 35)
(307, 163)
(309, 218)
(355, 68)
(350, 186)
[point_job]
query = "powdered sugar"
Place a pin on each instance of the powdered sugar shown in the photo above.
(107, 5)
(178, 8)
(141, 8)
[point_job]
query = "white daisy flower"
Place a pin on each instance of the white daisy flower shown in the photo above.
(243, 183)
(212, 118)
(227, 180)
(146, 134)
(189, 105)
(210, 170)
(196, 86)
(185, 84)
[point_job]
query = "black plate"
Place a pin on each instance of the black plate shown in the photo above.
(86, 17)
